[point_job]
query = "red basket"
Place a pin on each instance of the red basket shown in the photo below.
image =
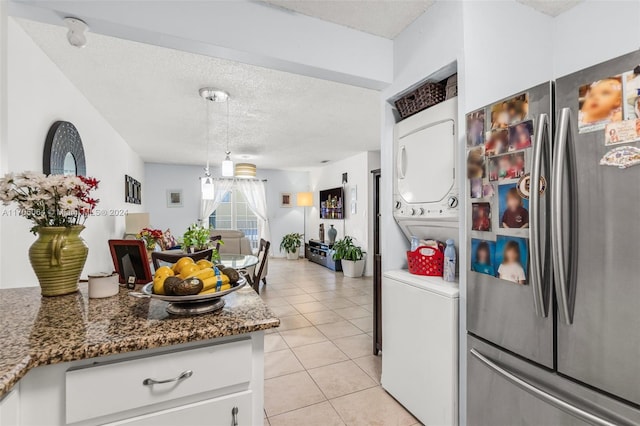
(426, 261)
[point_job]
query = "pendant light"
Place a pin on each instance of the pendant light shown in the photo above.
(211, 95)
(227, 164)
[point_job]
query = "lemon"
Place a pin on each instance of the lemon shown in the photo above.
(158, 284)
(188, 269)
(164, 271)
(181, 263)
(204, 264)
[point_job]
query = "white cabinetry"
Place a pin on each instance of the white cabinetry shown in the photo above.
(216, 382)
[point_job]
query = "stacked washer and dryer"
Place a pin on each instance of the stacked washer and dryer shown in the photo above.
(419, 313)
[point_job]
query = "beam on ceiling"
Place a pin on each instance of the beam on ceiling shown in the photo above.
(241, 30)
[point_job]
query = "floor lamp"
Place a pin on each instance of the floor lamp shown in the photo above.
(304, 199)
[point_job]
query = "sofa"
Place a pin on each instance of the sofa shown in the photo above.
(234, 241)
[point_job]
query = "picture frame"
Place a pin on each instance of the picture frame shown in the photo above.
(131, 261)
(132, 190)
(286, 199)
(174, 198)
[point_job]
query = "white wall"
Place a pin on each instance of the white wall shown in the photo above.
(594, 31)
(161, 177)
(38, 95)
(358, 168)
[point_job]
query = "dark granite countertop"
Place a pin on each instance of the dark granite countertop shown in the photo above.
(36, 331)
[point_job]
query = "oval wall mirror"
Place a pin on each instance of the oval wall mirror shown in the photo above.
(63, 151)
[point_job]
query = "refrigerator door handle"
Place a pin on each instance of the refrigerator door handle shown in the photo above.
(545, 396)
(561, 158)
(542, 140)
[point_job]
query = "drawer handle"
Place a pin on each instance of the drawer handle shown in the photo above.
(184, 375)
(234, 416)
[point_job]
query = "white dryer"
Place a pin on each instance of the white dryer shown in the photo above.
(425, 178)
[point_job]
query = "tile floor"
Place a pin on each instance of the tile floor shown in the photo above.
(319, 367)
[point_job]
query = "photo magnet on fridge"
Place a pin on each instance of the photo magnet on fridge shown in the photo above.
(622, 157)
(475, 163)
(507, 166)
(512, 255)
(509, 111)
(524, 185)
(483, 257)
(520, 135)
(600, 103)
(475, 128)
(481, 217)
(513, 209)
(622, 132)
(497, 142)
(488, 190)
(632, 94)
(476, 187)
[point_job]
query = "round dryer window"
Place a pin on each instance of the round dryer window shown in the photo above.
(63, 151)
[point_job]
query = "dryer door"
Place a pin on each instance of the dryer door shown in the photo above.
(425, 163)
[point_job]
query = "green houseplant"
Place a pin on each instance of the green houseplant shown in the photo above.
(291, 243)
(197, 238)
(351, 257)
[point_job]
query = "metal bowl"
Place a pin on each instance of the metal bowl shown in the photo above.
(147, 291)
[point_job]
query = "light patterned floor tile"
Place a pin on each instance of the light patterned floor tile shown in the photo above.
(352, 312)
(365, 323)
(355, 346)
(341, 379)
(305, 308)
(301, 298)
(323, 317)
(319, 354)
(274, 342)
(279, 363)
(317, 414)
(293, 322)
(303, 336)
(339, 329)
(371, 407)
(290, 392)
(284, 311)
(372, 365)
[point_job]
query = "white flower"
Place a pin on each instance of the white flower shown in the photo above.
(69, 203)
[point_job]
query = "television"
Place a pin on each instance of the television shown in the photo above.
(332, 203)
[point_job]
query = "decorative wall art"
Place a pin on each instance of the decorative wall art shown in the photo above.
(174, 197)
(63, 151)
(132, 190)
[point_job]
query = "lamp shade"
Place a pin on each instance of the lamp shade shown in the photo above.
(227, 167)
(207, 188)
(304, 199)
(134, 222)
(245, 170)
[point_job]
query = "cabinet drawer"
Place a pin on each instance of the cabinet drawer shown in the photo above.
(112, 388)
(218, 411)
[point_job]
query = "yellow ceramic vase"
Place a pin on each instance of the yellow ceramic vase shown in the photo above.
(57, 257)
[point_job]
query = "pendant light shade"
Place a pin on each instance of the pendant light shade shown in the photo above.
(207, 188)
(245, 170)
(227, 166)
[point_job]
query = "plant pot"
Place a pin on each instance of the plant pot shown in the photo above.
(58, 257)
(353, 269)
(292, 256)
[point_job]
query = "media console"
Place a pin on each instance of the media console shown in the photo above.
(320, 252)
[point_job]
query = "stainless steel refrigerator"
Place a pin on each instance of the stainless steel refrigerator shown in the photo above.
(562, 348)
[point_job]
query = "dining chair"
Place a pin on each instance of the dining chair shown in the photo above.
(158, 256)
(217, 239)
(260, 272)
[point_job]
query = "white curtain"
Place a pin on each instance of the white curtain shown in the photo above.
(255, 193)
(220, 188)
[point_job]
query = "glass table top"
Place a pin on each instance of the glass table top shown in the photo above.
(238, 261)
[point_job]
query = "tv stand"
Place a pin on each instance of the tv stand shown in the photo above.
(320, 252)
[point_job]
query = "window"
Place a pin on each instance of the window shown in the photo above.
(234, 213)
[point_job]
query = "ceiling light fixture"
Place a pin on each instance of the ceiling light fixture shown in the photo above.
(77, 31)
(219, 96)
(245, 170)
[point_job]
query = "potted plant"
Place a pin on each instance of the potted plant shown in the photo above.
(291, 243)
(150, 237)
(197, 238)
(351, 257)
(58, 206)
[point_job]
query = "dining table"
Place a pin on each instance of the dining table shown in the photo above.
(241, 263)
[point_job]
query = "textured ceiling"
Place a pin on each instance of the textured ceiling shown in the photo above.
(385, 18)
(551, 7)
(149, 94)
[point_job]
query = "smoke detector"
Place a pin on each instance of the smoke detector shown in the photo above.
(77, 32)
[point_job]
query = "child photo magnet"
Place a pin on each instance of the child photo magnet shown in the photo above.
(481, 217)
(513, 209)
(507, 166)
(476, 187)
(475, 128)
(512, 255)
(632, 94)
(483, 257)
(509, 111)
(520, 135)
(475, 163)
(622, 132)
(600, 103)
(497, 142)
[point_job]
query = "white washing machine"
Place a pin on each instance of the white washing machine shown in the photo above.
(420, 347)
